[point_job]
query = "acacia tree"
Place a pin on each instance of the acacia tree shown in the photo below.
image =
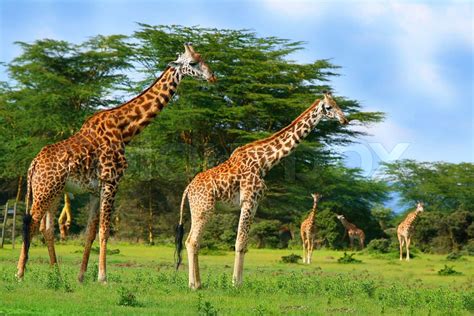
(443, 187)
(55, 85)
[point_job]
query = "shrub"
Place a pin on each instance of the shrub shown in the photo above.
(447, 270)
(291, 258)
(127, 298)
(453, 256)
(205, 307)
(53, 279)
(469, 247)
(348, 259)
(379, 246)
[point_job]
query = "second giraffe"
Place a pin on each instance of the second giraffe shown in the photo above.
(240, 180)
(353, 231)
(308, 230)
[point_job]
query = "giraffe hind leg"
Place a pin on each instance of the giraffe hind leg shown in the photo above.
(200, 214)
(30, 227)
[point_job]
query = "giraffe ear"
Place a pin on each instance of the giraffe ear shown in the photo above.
(173, 64)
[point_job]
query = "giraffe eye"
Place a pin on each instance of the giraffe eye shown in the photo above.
(193, 63)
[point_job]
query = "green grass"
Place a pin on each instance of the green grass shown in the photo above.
(142, 282)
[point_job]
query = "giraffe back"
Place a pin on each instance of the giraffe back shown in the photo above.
(406, 227)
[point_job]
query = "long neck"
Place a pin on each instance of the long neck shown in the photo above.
(346, 223)
(282, 143)
(411, 217)
(136, 114)
(313, 211)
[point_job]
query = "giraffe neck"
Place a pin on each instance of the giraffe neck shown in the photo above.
(313, 211)
(411, 218)
(136, 114)
(346, 224)
(286, 140)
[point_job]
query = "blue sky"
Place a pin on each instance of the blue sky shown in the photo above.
(412, 60)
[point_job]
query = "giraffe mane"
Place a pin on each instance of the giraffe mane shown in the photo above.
(282, 131)
(129, 101)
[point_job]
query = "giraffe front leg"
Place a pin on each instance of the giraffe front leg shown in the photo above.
(305, 259)
(303, 239)
(310, 251)
(400, 241)
(407, 242)
(106, 203)
(246, 215)
(91, 233)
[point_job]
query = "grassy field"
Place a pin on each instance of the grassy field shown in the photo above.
(142, 281)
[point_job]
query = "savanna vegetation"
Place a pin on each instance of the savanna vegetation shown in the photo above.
(53, 86)
(142, 281)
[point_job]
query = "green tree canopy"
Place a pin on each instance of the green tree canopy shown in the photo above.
(443, 187)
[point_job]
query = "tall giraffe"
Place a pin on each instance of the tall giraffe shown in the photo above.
(353, 231)
(406, 228)
(240, 180)
(308, 230)
(94, 159)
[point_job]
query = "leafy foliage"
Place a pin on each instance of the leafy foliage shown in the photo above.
(291, 258)
(448, 270)
(348, 258)
(443, 187)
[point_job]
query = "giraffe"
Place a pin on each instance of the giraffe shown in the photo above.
(65, 218)
(94, 159)
(308, 230)
(406, 228)
(240, 180)
(353, 231)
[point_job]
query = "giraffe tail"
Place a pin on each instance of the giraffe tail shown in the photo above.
(28, 218)
(179, 234)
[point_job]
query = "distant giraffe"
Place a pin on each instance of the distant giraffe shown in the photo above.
(406, 229)
(353, 231)
(94, 159)
(65, 218)
(308, 230)
(240, 180)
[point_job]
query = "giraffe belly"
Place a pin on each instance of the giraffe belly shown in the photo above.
(82, 183)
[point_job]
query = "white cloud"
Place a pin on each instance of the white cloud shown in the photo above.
(420, 32)
(296, 9)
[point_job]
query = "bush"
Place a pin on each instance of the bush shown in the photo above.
(348, 259)
(291, 258)
(205, 308)
(447, 270)
(469, 247)
(127, 298)
(265, 233)
(379, 246)
(453, 256)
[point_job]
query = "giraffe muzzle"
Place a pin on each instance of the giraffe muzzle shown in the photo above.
(212, 79)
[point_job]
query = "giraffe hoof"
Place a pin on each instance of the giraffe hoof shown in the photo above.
(19, 276)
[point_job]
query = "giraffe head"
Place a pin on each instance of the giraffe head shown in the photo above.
(316, 196)
(340, 217)
(419, 207)
(330, 109)
(191, 64)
